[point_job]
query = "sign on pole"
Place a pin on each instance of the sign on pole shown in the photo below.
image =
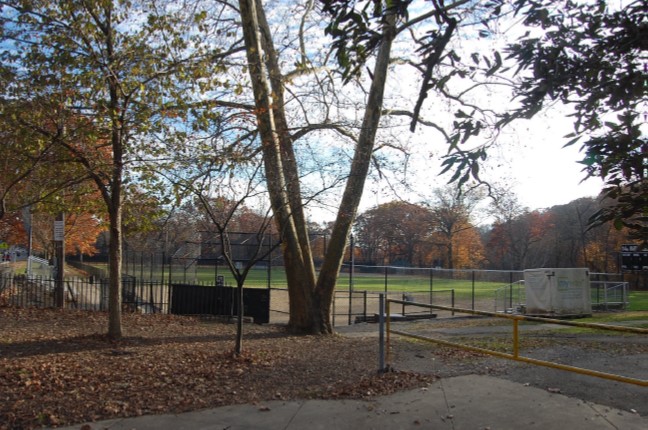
(59, 231)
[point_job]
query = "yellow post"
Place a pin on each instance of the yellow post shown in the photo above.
(516, 343)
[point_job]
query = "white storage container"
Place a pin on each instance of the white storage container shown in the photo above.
(558, 292)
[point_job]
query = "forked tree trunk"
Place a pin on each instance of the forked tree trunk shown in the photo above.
(310, 298)
(300, 271)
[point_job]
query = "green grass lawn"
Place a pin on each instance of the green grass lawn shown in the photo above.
(395, 282)
(614, 318)
(638, 301)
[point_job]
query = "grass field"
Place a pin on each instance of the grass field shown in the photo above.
(258, 278)
(464, 288)
(638, 301)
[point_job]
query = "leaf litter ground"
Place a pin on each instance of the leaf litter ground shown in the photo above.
(58, 368)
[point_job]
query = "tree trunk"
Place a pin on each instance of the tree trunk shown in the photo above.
(114, 203)
(113, 196)
(300, 271)
(303, 276)
(238, 347)
(355, 183)
(310, 299)
(115, 272)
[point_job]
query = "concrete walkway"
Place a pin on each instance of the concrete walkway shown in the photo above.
(469, 402)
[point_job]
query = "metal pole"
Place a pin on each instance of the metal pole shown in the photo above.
(473, 290)
(364, 307)
(170, 269)
(163, 264)
(30, 243)
(452, 300)
(170, 286)
(598, 292)
(431, 286)
(269, 271)
(351, 270)
(385, 279)
(387, 335)
(510, 290)
(381, 332)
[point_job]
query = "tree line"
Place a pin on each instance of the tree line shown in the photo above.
(453, 230)
(450, 234)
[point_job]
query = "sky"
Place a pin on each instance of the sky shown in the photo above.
(541, 171)
(548, 174)
(529, 159)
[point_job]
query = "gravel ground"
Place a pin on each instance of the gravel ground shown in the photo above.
(621, 354)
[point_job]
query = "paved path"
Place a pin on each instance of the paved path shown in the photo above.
(460, 403)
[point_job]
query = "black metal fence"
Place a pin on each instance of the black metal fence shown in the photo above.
(466, 289)
(137, 296)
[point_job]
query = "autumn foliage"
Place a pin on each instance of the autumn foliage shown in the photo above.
(404, 234)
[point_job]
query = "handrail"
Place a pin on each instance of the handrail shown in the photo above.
(516, 353)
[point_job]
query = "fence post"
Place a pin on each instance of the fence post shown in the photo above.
(473, 290)
(170, 287)
(511, 290)
(364, 307)
(381, 332)
(385, 279)
(350, 306)
(598, 291)
(333, 310)
(170, 268)
(163, 264)
(269, 271)
(351, 270)
(452, 300)
(431, 287)
(151, 263)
